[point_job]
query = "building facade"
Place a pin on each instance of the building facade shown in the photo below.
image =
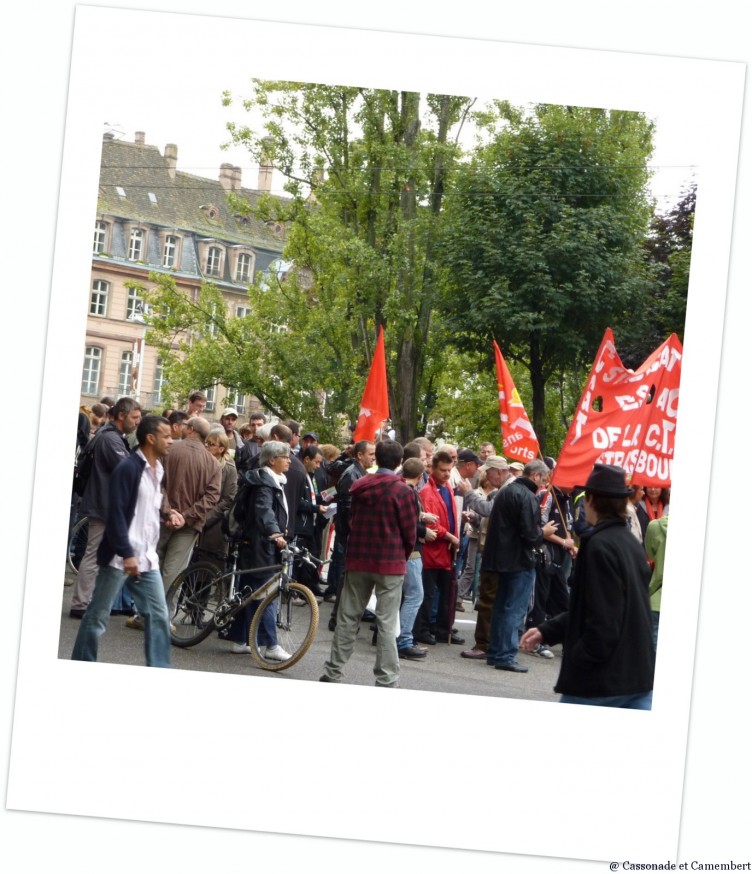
(152, 217)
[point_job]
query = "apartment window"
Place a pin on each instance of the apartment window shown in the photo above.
(92, 366)
(169, 255)
(211, 398)
(233, 398)
(98, 303)
(126, 367)
(136, 246)
(241, 311)
(158, 381)
(243, 270)
(135, 305)
(100, 237)
(214, 261)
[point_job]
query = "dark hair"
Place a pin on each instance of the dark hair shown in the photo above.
(149, 425)
(388, 454)
(412, 468)
(258, 417)
(177, 416)
(124, 406)
(441, 457)
(412, 450)
(281, 432)
(197, 396)
(310, 451)
(360, 447)
(608, 508)
(293, 426)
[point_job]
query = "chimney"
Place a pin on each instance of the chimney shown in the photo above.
(225, 176)
(237, 178)
(171, 158)
(140, 138)
(265, 176)
(109, 136)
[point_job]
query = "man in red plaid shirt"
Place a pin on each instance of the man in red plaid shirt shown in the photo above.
(383, 530)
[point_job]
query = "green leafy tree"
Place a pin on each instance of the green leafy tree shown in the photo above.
(367, 170)
(543, 238)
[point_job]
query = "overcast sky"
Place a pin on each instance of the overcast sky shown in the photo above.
(199, 134)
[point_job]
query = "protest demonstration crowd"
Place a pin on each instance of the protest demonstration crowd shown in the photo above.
(413, 533)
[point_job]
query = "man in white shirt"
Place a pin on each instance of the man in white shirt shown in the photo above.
(129, 548)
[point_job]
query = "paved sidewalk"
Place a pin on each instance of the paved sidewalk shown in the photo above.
(443, 670)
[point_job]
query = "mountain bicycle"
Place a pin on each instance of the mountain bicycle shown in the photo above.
(203, 599)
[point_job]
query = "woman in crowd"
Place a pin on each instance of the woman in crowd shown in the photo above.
(212, 540)
(265, 537)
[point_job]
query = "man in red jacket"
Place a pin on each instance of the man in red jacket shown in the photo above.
(383, 531)
(438, 556)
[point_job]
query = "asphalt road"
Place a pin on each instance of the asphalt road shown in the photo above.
(443, 670)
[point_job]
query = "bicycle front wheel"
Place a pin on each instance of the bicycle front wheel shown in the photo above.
(77, 543)
(296, 622)
(192, 601)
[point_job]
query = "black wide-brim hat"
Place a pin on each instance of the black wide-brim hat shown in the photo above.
(607, 480)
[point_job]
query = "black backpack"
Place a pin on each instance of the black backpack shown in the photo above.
(84, 465)
(237, 521)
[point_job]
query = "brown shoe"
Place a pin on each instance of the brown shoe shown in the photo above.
(458, 607)
(473, 654)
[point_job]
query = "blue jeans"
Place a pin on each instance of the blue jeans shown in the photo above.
(641, 701)
(412, 598)
(147, 591)
(507, 616)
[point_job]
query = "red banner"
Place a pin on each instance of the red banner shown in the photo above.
(374, 407)
(625, 417)
(517, 435)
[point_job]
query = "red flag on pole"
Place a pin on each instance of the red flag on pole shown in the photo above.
(625, 417)
(374, 407)
(517, 434)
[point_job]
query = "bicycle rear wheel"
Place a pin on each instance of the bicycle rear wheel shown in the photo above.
(77, 543)
(192, 601)
(297, 620)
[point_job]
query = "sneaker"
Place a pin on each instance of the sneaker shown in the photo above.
(543, 651)
(136, 622)
(240, 648)
(276, 654)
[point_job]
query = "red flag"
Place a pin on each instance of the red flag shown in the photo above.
(374, 407)
(625, 417)
(517, 433)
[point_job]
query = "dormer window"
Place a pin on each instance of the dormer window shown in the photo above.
(100, 237)
(136, 245)
(214, 261)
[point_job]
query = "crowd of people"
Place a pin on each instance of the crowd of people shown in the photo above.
(414, 533)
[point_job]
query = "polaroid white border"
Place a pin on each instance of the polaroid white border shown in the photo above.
(617, 776)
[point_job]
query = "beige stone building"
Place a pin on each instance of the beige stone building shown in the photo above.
(151, 216)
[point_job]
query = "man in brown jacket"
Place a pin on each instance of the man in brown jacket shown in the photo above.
(192, 485)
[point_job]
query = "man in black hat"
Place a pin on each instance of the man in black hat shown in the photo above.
(608, 657)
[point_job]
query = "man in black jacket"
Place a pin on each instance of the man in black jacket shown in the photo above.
(364, 455)
(128, 549)
(514, 535)
(110, 448)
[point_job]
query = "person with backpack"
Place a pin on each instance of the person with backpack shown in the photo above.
(96, 462)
